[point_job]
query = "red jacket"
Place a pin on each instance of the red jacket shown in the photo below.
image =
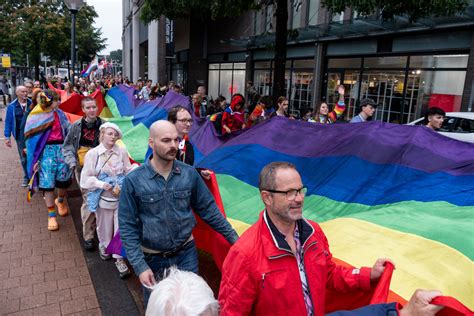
(260, 277)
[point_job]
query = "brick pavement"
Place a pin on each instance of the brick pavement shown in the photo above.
(41, 272)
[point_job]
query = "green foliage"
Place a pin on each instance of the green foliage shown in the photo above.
(214, 9)
(116, 55)
(413, 9)
(33, 27)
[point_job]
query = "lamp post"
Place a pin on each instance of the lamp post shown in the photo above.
(74, 6)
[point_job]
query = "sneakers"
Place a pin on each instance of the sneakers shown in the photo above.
(63, 207)
(52, 224)
(122, 268)
(24, 183)
(102, 254)
(89, 245)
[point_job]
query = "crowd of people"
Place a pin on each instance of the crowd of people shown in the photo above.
(282, 256)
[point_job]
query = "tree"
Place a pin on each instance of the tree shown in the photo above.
(89, 40)
(414, 9)
(37, 30)
(32, 27)
(116, 55)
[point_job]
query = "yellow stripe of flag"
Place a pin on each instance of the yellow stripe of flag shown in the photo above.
(420, 262)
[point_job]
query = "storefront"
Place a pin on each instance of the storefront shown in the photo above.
(226, 79)
(298, 82)
(403, 86)
(404, 74)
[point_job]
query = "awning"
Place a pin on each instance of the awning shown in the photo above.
(361, 27)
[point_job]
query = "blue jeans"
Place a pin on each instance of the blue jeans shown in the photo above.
(186, 260)
(20, 145)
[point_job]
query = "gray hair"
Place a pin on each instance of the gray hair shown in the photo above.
(267, 176)
(18, 89)
(181, 293)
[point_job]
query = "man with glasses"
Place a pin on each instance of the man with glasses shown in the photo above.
(282, 263)
(182, 120)
(29, 86)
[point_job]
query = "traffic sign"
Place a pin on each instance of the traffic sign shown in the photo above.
(6, 61)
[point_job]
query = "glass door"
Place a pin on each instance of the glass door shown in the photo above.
(385, 88)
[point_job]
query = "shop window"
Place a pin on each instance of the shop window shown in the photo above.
(439, 61)
(298, 83)
(385, 88)
(213, 84)
(263, 81)
(300, 95)
(178, 74)
(226, 79)
(434, 88)
(403, 94)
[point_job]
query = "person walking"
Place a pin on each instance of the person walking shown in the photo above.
(14, 126)
(105, 167)
(83, 136)
(155, 211)
(45, 130)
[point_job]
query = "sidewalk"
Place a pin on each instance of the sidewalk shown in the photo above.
(49, 273)
(41, 272)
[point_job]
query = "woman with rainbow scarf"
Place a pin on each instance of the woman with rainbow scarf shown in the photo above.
(45, 130)
(322, 114)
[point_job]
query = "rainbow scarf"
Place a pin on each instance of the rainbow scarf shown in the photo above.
(37, 129)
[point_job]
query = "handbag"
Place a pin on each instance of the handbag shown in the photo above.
(81, 154)
(108, 202)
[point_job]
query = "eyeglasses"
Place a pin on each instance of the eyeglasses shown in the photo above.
(186, 121)
(292, 193)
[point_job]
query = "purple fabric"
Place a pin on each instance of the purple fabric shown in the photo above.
(115, 245)
(39, 150)
(377, 142)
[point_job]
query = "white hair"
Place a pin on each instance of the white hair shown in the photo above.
(182, 293)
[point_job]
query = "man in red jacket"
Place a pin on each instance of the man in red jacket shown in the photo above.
(282, 264)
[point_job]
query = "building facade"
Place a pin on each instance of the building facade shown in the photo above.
(405, 67)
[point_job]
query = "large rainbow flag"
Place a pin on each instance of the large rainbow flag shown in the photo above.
(377, 189)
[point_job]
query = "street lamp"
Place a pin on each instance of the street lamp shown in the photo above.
(74, 6)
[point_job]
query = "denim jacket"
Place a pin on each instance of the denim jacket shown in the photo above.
(10, 119)
(156, 213)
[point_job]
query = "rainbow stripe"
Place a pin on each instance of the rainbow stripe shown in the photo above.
(378, 190)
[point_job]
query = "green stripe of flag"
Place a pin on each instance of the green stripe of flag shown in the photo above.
(440, 221)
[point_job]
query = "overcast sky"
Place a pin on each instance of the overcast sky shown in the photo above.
(110, 20)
